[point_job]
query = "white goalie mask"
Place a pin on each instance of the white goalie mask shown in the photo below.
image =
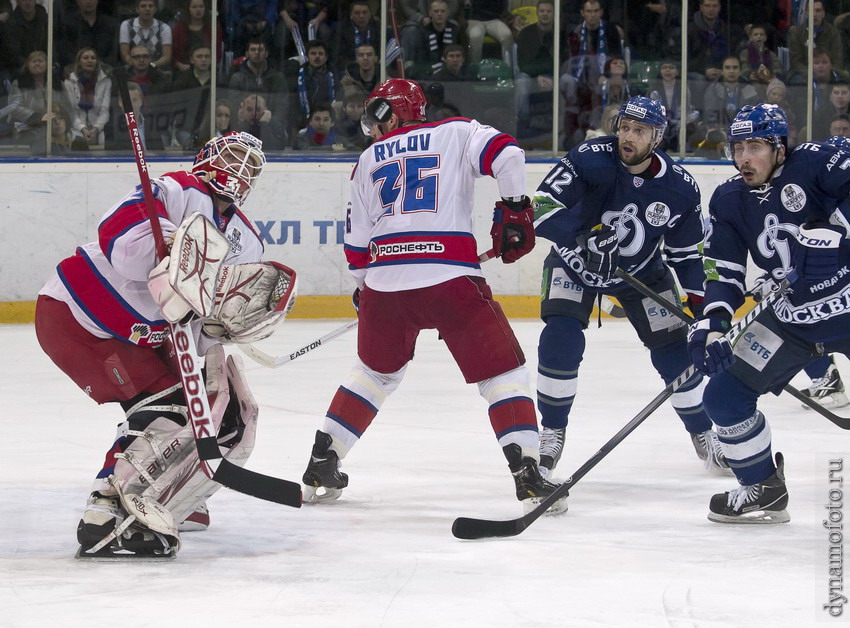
(231, 164)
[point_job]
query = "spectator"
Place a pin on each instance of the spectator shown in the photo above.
(88, 27)
(840, 126)
(603, 126)
(826, 38)
(654, 29)
(145, 30)
(301, 21)
(725, 97)
(63, 138)
(360, 28)
(319, 132)
(255, 118)
(116, 136)
(349, 130)
(454, 65)
(436, 30)
(758, 63)
(708, 45)
(255, 75)
(26, 30)
(713, 146)
(488, 17)
(223, 117)
(194, 30)
(590, 44)
(613, 87)
(535, 58)
(195, 82)
(316, 83)
(824, 74)
(837, 104)
(28, 100)
(775, 94)
(151, 79)
(436, 107)
(363, 74)
(667, 90)
(250, 20)
(88, 91)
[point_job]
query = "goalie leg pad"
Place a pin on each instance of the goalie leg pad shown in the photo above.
(234, 412)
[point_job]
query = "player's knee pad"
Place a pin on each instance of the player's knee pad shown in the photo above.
(371, 385)
(509, 385)
(727, 400)
(562, 343)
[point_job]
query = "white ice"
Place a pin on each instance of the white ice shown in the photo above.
(635, 548)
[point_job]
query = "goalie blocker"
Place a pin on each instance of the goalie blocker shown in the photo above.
(239, 303)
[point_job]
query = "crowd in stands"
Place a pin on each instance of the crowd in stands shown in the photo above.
(296, 72)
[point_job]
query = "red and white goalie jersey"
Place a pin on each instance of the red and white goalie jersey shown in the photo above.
(105, 283)
(409, 222)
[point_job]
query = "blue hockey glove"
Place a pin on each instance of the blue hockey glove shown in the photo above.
(709, 349)
(815, 256)
(600, 252)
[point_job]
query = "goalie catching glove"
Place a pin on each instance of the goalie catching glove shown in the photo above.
(513, 229)
(237, 303)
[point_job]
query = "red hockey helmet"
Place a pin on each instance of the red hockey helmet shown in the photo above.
(405, 97)
(231, 164)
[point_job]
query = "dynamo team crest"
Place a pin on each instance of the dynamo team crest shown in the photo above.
(793, 197)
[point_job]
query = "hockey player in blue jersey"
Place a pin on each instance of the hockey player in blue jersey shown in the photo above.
(781, 210)
(619, 201)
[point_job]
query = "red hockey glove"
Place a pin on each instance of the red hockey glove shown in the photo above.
(513, 229)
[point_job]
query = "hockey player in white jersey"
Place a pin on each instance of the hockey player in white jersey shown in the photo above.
(102, 318)
(411, 251)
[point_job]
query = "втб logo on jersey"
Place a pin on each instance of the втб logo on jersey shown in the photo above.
(793, 197)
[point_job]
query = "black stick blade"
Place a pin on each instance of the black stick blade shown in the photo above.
(258, 485)
(471, 529)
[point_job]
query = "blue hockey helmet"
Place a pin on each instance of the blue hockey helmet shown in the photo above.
(840, 142)
(758, 122)
(646, 111)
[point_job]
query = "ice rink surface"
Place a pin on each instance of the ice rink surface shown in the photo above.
(635, 548)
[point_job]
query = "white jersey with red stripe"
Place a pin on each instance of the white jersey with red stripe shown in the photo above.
(105, 282)
(409, 222)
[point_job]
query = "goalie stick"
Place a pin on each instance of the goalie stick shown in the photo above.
(468, 528)
(211, 461)
(274, 361)
(637, 284)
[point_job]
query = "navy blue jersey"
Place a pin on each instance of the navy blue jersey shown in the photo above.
(764, 222)
(590, 185)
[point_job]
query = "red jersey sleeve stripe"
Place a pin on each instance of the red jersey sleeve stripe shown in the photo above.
(123, 219)
(357, 257)
(494, 147)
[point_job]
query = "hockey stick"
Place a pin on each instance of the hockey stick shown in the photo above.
(469, 528)
(214, 466)
(637, 284)
(272, 362)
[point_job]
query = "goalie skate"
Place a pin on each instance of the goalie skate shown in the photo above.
(107, 531)
(323, 481)
(764, 502)
(531, 488)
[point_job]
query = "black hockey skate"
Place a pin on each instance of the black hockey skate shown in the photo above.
(105, 532)
(764, 502)
(551, 448)
(707, 446)
(828, 390)
(323, 472)
(531, 488)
